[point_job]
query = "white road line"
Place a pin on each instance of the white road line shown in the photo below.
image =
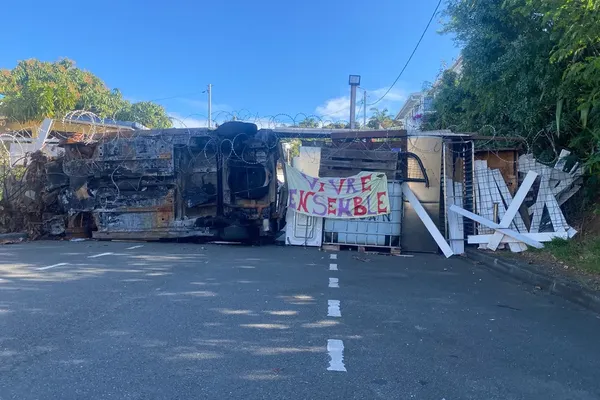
(333, 308)
(335, 348)
(334, 282)
(333, 267)
(100, 255)
(333, 256)
(134, 247)
(52, 266)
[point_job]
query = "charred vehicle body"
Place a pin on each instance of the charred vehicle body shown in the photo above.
(171, 183)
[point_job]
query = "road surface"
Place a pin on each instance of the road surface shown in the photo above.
(117, 320)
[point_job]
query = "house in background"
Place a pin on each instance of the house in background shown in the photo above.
(421, 103)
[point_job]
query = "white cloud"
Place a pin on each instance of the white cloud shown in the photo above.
(191, 121)
(394, 95)
(338, 108)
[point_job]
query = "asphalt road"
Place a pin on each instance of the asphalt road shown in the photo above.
(111, 320)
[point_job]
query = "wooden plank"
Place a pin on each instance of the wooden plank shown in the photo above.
(429, 224)
(377, 134)
(513, 209)
(576, 170)
(359, 164)
(540, 237)
(564, 184)
(330, 247)
(328, 172)
(486, 222)
(562, 160)
(374, 155)
(567, 195)
(497, 199)
(505, 161)
(518, 221)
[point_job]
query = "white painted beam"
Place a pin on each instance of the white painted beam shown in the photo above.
(490, 224)
(513, 208)
(540, 237)
(429, 224)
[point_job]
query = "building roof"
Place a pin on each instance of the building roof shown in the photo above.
(409, 104)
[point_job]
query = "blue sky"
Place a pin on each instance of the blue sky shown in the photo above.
(263, 57)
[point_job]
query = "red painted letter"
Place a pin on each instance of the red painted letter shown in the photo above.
(331, 206)
(359, 209)
(380, 209)
(303, 199)
(364, 180)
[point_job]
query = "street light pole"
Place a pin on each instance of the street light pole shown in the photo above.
(352, 106)
(209, 91)
(353, 81)
(364, 108)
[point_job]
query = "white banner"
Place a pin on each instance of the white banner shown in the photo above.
(359, 196)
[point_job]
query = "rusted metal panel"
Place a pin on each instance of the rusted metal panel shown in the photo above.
(174, 183)
(154, 184)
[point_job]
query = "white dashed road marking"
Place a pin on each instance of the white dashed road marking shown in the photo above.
(335, 348)
(333, 267)
(334, 282)
(100, 255)
(333, 256)
(52, 266)
(134, 247)
(333, 308)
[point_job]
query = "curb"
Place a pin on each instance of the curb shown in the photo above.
(13, 237)
(569, 290)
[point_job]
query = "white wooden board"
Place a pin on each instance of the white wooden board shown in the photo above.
(486, 222)
(512, 210)
(540, 237)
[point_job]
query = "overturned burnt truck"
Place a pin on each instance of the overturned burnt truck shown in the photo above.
(172, 183)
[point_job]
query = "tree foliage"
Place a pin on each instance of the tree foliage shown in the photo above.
(380, 119)
(530, 68)
(308, 123)
(34, 90)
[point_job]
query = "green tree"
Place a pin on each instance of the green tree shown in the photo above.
(146, 113)
(337, 125)
(530, 68)
(308, 123)
(34, 90)
(380, 119)
(574, 28)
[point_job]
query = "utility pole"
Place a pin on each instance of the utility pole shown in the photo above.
(364, 108)
(352, 106)
(209, 91)
(353, 81)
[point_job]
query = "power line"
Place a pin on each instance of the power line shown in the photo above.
(411, 55)
(175, 97)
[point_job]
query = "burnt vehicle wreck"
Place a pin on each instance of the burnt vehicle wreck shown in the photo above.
(171, 183)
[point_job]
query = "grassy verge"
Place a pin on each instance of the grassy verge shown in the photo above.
(583, 254)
